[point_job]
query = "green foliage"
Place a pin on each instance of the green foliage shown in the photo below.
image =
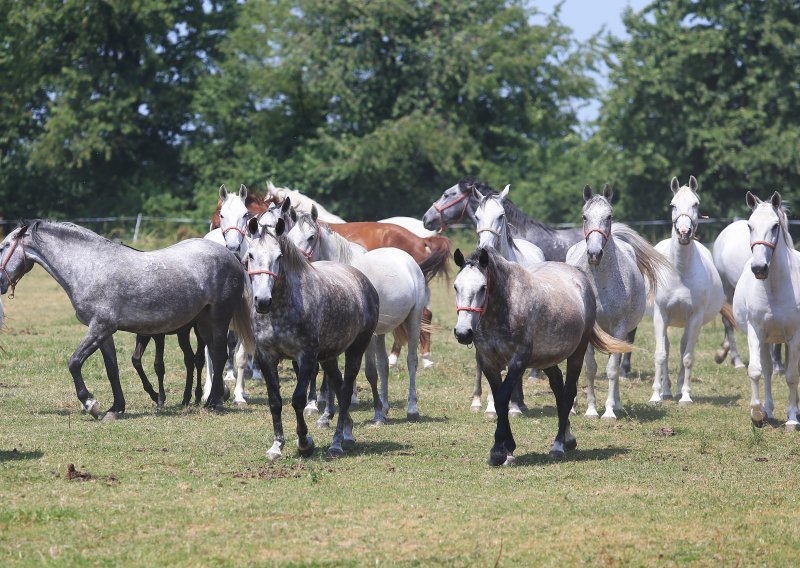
(703, 87)
(375, 107)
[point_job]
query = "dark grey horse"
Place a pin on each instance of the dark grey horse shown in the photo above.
(113, 287)
(461, 201)
(521, 318)
(310, 314)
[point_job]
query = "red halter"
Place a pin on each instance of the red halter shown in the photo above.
(234, 228)
(310, 254)
(595, 230)
(481, 309)
(254, 272)
(765, 243)
(441, 209)
(12, 284)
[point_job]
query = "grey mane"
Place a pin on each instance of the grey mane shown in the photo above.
(514, 216)
(344, 253)
(60, 227)
(293, 261)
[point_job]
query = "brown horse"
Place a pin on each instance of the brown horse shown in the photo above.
(433, 251)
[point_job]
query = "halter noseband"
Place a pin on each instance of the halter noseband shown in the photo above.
(482, 308)
(595, 230)
(12, 284)
(441, 209)
(691, 221)
(268, 272)
(765, 243)
(490, 230)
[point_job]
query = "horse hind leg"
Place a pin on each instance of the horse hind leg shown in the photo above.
(412, 411)
(425, 338)
(306, 366)
(199, 363)
(591, 374)
(792, 358)
(394, 355)
(185, 344)
(371, 372)
(239, 396)
(476, 392)
(136, 360)
(109, 353)
(759, 357)
(661, 358)
(625, 364)
(311, 406)
(160, 369)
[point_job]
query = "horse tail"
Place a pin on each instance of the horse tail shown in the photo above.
(727, 313)
(242, 322)
(653, 265)
(604, 342)
(438, 262)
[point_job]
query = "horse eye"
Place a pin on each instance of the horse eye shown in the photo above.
(483, 288)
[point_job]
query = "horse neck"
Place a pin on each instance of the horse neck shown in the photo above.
(334, 247)
(497, 305)
(58, 257)
(783, 264)
(682, 256)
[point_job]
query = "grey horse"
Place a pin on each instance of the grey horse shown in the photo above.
(310, 314)
(113, 287)
(520, 318)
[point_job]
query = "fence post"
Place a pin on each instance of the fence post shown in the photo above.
(136, 228)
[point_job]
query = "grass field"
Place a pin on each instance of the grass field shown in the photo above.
(660, 486)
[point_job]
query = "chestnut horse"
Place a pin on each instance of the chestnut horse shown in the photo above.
(376, 235)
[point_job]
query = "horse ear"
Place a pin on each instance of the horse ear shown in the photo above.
(776, 200)
(270, 187)
(504, 193)
(280, 227)
(674, 185)
(252, 226)
(314, 213)
(483, 259)
(292, 214)
(243, 191)
(287, 204)
(693, 183)
(587, 192)
(458, 257)
(223, 192)
(751, 200)
(476, 194)
(608, 193)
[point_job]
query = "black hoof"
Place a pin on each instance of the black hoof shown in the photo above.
(335, 452)
(412, 416)
(557, 455)
(307, 451)
(160, 405)
(349, 443)
(497, 458)
(571, 444)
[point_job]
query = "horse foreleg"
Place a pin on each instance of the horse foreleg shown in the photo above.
(394, 355)
(185, 344)
(306, 367)
(759, 357)
(591, 372)
(136, 360)
(661, 378)
(412, 412)
(239, 396)
(767, 370)
(352, 364)
(311, 406)
(199, 362)
(160, 369)
(792, 360)
(269, 368)
(382, 363)
(516, 406)
(502, 453)
(476, 392)
(109, 353)
(777, 365)
(89, 345)
(230, 359)
(688, 341)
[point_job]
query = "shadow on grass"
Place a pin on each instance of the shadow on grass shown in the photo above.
(578, 455)
(12, 455)
(719, 400)
(643, 412)
(381, 448)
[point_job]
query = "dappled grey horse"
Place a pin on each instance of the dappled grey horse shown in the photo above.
(309, 313)
(520, 318)
(623, 270)
(113, 287)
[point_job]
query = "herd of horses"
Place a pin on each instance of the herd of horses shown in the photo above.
(279, 277)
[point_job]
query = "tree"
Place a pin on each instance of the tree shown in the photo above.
(703, 87)
(96, 101)
(375, 107)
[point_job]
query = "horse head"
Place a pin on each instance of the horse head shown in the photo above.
(472, 293)
(490, 219)
(685, 209)
(450, 208)
(767, 224)
(305, 234)
(233, 216)
(597, 219)
(14, 263)
(264, 263)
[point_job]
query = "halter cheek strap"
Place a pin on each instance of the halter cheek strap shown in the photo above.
(482, 307)
(442, 208)
(310, 254)
(12, 284)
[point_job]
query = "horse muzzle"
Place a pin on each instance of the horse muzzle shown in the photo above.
(263, 305)
(3, 286)
(464, 337)
(760, 271)
(431, 220)
(594, 258)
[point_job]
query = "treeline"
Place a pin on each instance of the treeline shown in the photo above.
(374, 108)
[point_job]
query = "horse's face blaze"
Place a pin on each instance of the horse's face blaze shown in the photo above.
(264, 255)
(470, 286)
(685, 212)
(489, 217)
(597, 219)
(765, 227)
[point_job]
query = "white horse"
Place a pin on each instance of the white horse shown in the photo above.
(623, 270)
(767, 304)
(301, 203)
(233, 217)
(412, 224)
(691, 295)
(491, 226)
(403, 294)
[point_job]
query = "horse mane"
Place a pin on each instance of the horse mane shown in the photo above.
(342, 250)
(33, 227)
(293, 260)
(514, 216)
(783, 220)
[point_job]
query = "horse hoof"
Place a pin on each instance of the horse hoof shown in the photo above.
(110, 416)
(335, 452)
(557, 455)
(92, 407)
(392, 359)
(307, 450)
(377, 422)
(685, 402)
(226, 393)
(514, 413)
(160, 405)
(739, 365)
(273, 455)
(791, 426)
(349, 443)
(654, 402)
(591, 414)
(310, 410)
(511, 461)
(490, 415)
(323, 423)
(412, 416)
(719, 357)
(571, 443)
(497, 458)
(427, 363)
(239, 402)
(608, 415)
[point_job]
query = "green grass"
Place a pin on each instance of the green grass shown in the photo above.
(181, 487)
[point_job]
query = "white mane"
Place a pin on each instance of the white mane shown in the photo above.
(302, 203)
